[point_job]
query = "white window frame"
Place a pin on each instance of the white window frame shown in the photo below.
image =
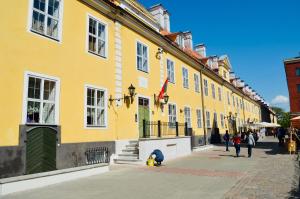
(44, 35)
(197, 84)
(136, 56)
(222, 120)
(188, 119)
(199, 118)
(207, 119)
(172, 104)
(213, 91)
(220, 93)
(171, 80)
(89, 86)
(228, 98)
(28, 74)
(185, 79)
(99, 21)
(205, 82)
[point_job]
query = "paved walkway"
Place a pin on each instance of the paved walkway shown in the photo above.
(209, 174)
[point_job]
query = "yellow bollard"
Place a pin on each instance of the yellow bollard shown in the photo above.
(292, 146)
(150, 162)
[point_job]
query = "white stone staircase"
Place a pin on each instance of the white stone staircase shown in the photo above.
(129, 155)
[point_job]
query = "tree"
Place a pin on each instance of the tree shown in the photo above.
(282, 116)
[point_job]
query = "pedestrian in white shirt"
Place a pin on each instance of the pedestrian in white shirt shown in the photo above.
(250, 142)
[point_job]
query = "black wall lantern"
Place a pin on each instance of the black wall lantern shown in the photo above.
(131, 90)
(162, 101)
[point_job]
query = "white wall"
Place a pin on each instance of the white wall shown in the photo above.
(171, 148)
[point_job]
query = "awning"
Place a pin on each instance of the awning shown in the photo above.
(296, 118)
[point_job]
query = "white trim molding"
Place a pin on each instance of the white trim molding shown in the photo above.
(86, 86)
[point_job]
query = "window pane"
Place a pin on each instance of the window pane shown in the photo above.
(90, 97)
(39, 4)
(139, 49)
(38, 22)
(48, 113)
(34, 88)
(101, 31)
(139, 63)
(145, 65)
(53, 8)
(101, 48)
(52, 27)
(90, 116)
(145, 52)
(92, 26)
(92, 43)
(33, 112)
(49, 90)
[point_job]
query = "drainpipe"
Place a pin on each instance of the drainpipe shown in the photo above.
(203, 112)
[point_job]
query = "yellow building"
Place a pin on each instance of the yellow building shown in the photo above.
(79, 75)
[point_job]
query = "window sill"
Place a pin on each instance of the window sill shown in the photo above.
(36, 124)
(97, 55)
(147, 72)
(43, 35)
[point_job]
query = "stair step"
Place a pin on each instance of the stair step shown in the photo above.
(133, 150)
(129, 155)
(132, 145)
(133, 142)
(125, 161)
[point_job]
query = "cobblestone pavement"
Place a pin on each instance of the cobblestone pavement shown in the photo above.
(211, 174)
(276, 175)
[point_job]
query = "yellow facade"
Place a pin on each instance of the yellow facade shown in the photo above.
(68, 60)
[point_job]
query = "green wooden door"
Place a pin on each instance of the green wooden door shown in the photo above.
(41, 150)
(144, 114)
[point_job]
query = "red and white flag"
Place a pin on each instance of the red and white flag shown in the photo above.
(163, 90)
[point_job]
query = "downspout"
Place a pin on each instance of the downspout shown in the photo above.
(202, 101)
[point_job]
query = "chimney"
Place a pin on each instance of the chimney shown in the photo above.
(201, 49)
(161, 15)
(188, 40)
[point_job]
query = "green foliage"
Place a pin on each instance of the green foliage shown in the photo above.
(283, 117)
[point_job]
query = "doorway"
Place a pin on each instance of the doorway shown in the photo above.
(143, 114)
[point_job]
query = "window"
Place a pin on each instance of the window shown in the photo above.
(207, 114)
(142, 57)
(205, 87)
(196, 79)
(185, 76)
(224, 74)
(228, 98)
(97, 37)
(199, 118)
(241, 104)
(96, 111)
(187, 116)
(233, 102)
(213, 92)
(41, 100)
(172, 114)
(237, 102)
(222, 120)
(215, 120)
(46, 18)
(170, 69)
(297, 71)
(220, 93)
(298, 88)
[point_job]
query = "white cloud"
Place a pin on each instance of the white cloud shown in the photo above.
(280, 99)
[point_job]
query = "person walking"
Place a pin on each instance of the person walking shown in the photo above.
(226, 138)
(250, 143)
(237, 144)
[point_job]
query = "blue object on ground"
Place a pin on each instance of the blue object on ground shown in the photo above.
(159, 157)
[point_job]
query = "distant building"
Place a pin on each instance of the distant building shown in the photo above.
(292, 70)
